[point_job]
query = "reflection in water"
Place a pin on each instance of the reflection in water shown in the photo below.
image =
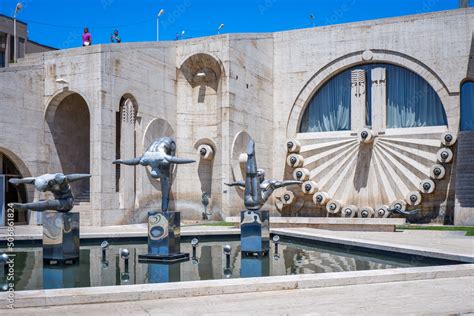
(251, 267)
(210, 263)
(163, 272)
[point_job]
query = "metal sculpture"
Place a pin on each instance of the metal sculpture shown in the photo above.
(257, 189)
(60, 226)
(56, 183)
(164, 226)
(160, 155)
(254, 223)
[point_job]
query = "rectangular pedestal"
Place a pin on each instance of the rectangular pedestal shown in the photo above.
(60, 237)
(164, 237)
(254, 232)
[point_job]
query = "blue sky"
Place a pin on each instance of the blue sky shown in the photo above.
(59, 23)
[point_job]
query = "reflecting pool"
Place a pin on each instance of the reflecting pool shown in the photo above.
(209, 263)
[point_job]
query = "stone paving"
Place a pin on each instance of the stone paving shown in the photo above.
(443, 294)
(451, 245)
(438, 296)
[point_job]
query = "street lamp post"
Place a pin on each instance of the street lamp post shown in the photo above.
(158, 24)
(18, 7)
(220, 28)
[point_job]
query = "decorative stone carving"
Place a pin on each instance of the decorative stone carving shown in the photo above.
(448, 139)
(333, 206)
(206, 152)
(358, 98)
(427, 186)
(321, 198)
(128, 112)
(293, 146)
(127, 149)
(301, 174)
(288, 197)
(309, 187)
(379, 99)
(349, 211)
(437, 172)
(413, 198)
(366, 212)
(367, 55)
(445, 155)
(295, 160)
(398, 206)
(365, 135)
(382, 211)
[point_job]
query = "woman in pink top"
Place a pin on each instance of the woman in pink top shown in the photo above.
(86, 38)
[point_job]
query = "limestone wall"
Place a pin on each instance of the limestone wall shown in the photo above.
(219, 91)
(435, 46)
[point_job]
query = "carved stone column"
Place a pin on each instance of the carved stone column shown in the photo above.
(379, 100)
(127, 151)
(358, 99)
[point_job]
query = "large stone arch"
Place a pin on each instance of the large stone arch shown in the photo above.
(363, 57)
(68, 117)
(12, 166)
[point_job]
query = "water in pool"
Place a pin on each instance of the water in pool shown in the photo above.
(210, 263)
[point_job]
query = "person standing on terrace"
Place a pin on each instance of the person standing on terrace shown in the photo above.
(86, 37)
(115, 37)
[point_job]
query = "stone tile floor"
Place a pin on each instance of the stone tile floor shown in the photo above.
(437, 296)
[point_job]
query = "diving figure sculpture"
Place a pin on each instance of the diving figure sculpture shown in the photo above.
(61, 242)
(159, 156)
(257, 189)
(163, 227)
(254, 223)
(56, 183)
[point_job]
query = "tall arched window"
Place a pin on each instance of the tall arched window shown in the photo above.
(329, 109)
(409, 100)
(467, 106)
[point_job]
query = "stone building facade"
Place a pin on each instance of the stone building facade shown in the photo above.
(79, 109)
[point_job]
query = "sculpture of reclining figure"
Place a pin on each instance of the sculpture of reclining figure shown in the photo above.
(159, 156)
(56, 183)
(257, 189)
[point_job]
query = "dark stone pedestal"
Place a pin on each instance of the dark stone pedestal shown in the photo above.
(164, 237)
(254, 233)
(61, 241)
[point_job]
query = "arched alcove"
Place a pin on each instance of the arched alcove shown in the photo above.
(125, 148)
(199, 98)
(68, 119)
(11, 166)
